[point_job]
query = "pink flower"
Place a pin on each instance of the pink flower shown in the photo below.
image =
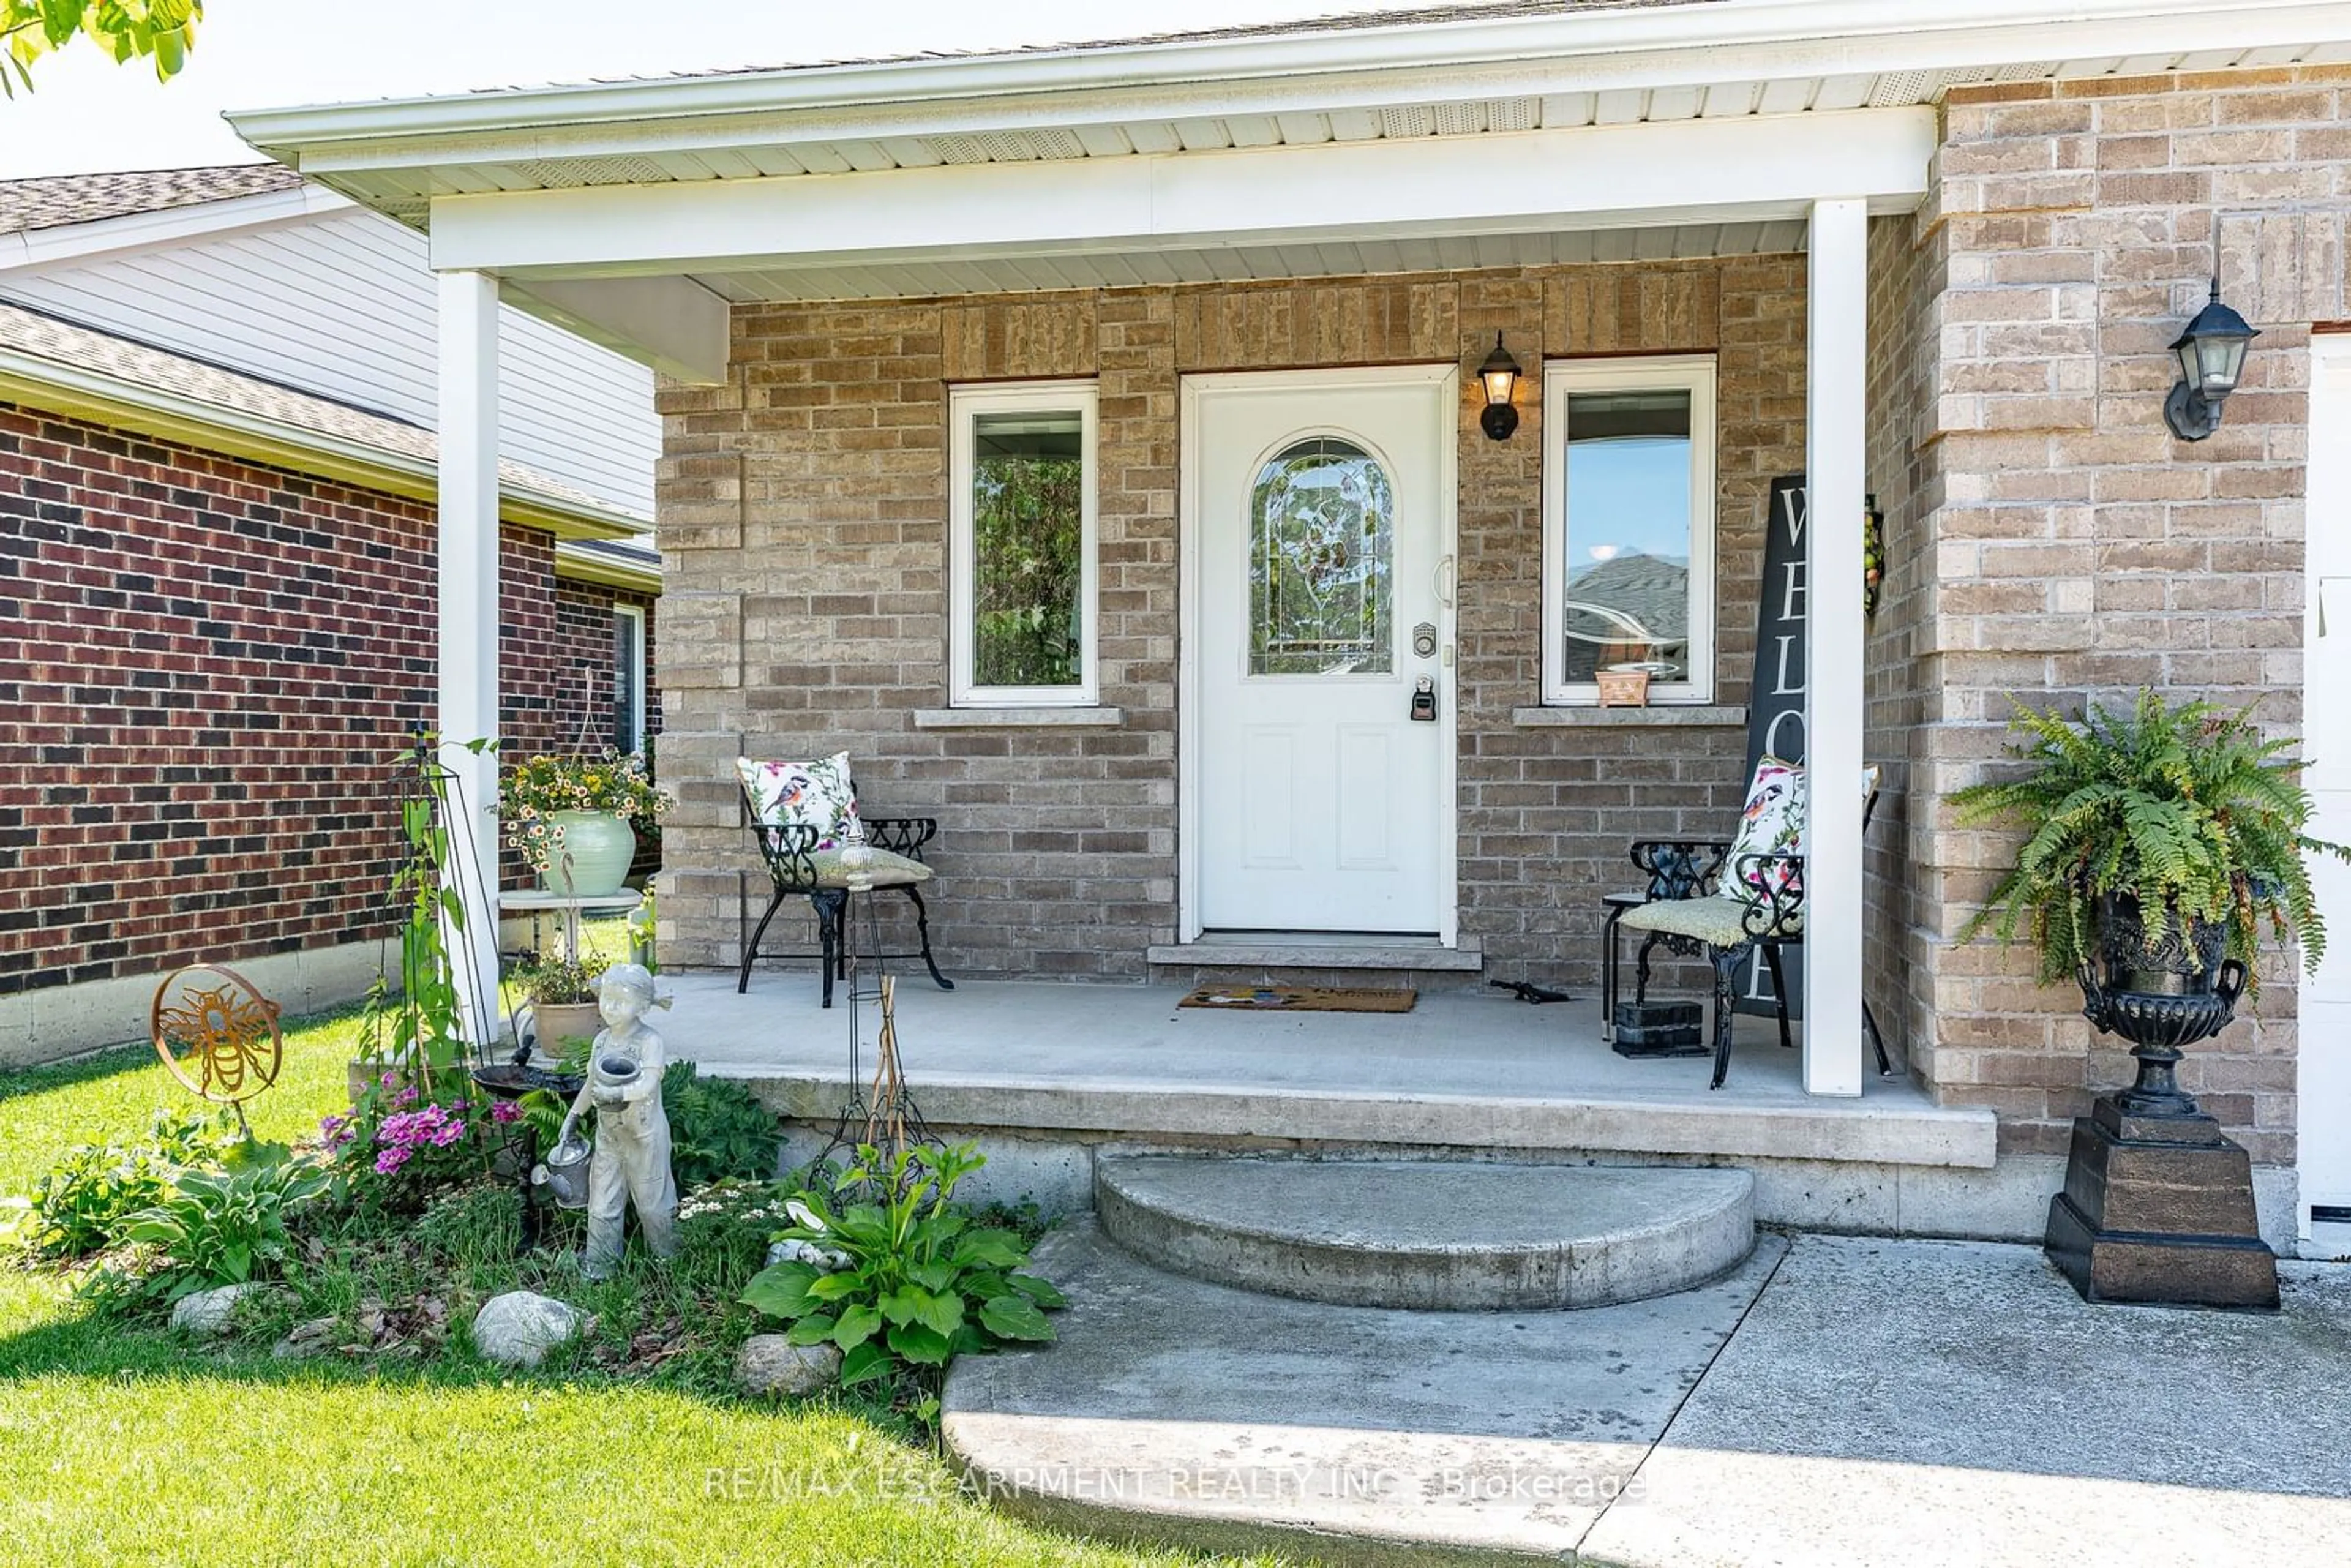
(505, 1110)
(389, 1161)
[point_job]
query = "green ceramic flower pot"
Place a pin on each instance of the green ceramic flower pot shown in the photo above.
(591, 855)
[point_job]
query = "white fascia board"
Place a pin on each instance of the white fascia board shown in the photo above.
(1523, 181)
(102, 399)
(674, 325)
(1729, 40)
(578, 565)
(76, 244)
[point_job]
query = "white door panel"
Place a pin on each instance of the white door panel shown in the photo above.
(1322, 517)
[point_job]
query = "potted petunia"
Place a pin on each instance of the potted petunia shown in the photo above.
(571, 818)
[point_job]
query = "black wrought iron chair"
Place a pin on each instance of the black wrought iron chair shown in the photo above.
(1687, 914)
(798, 869)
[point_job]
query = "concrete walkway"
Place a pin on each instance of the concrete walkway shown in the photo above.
(1851, 1404)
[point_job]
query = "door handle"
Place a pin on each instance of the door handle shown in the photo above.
(1445, 582)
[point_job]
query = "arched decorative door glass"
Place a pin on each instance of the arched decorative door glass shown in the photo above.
(1321, 562)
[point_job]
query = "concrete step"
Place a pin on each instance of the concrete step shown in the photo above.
(1200, 1416)
(1428, 1235)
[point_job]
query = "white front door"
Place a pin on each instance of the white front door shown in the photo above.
(1319, 506)
(2323, 1106)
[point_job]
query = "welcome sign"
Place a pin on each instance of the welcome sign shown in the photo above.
(1776, 702)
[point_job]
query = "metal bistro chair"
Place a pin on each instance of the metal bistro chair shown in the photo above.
(798, 869)
(1689, 914)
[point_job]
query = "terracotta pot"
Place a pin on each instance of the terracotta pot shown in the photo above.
(592, 858)
(552, 1023)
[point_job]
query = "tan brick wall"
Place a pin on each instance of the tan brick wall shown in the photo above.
(803, 512)
(2069, 547)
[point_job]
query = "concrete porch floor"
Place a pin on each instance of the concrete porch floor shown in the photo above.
(1472, 1069)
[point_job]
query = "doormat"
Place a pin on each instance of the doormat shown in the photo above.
(1299, 999)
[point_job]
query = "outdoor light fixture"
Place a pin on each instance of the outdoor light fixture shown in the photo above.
(1501, 374)
(2211, 357)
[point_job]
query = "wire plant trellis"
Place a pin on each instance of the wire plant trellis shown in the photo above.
(881, 1111)
(448, 1013)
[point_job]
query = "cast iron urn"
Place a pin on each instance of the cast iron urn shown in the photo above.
(2158, 1205)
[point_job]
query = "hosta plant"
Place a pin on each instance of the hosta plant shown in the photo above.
(226, 1226)
(2184, 809)
(918, 1283)
(80, 1205)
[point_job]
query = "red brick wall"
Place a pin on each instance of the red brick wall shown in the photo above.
(207, 668)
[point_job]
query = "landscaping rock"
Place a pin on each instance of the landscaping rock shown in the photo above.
(209, 1312)
(519, 1328)
(770, 1364)
(304, 1340)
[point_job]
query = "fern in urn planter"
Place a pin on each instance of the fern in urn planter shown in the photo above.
(2164, 842)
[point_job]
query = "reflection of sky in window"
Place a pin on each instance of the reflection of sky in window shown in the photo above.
(1631, 492)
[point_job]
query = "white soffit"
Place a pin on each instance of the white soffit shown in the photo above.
(1493, 74)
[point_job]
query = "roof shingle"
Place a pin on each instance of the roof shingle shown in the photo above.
(56, 201)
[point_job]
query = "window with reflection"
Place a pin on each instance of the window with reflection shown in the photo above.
(1629, 526)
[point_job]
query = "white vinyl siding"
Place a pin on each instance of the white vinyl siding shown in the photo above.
(343, 305)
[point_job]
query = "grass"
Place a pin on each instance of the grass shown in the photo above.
(124, 1442)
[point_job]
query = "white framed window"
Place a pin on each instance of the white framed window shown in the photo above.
(628, 678)
(1022, 545)
(1628, 524)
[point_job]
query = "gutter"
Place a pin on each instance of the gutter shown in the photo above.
(173, 416)
(578, 565)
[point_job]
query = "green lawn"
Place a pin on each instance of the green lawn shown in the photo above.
(129, 1443)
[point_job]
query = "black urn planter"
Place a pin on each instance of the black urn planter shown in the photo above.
(2158, 1205)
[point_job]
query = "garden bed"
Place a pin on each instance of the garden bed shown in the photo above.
(382, 1432)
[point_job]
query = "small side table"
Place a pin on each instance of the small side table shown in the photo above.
(1616, 904)
(538, 903)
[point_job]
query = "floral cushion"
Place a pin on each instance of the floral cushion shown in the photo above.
(1773, 823)
(817, 795)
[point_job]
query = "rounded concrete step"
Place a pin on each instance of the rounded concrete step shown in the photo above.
(1431, 1236)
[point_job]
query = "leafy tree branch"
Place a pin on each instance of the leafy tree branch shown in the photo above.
(160, 30)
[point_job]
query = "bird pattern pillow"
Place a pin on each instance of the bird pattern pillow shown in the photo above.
(819, 795)
(1771, 824)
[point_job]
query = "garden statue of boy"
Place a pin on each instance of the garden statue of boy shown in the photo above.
(631, 1165)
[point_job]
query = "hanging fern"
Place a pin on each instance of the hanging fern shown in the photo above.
(2186, 808)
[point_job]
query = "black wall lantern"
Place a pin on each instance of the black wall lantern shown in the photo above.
(1501, 374)
(2211, 357)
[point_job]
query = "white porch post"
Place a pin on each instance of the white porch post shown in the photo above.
(1835, 375)
(468, 620)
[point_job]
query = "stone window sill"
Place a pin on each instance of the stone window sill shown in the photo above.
(1019, 717)
(1695, 715)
